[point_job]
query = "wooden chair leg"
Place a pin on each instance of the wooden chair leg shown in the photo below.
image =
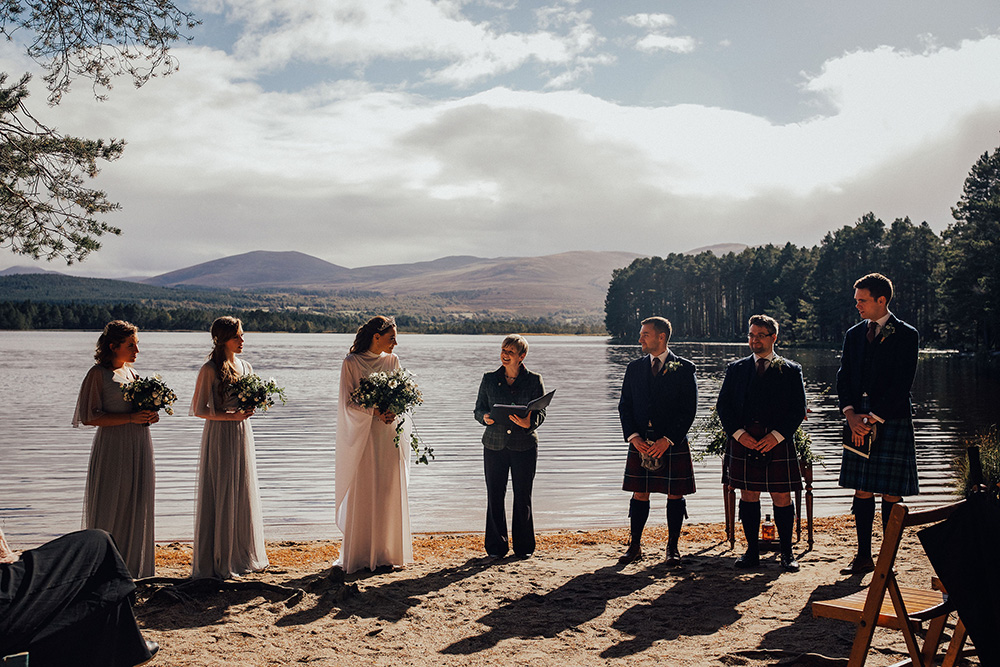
(954, 653)
(932, 640)
(798, 515)
(807, 474)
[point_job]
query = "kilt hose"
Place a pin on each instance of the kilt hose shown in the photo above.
(892, 467)
(676, 477)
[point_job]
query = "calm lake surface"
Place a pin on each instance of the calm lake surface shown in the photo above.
(43, 459)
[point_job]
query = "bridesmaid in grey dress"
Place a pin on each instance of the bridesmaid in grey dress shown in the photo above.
(229, 527)
(120, 478)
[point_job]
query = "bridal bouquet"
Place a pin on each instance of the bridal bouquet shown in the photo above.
(394, 392)
(149, 394)
(254, 393)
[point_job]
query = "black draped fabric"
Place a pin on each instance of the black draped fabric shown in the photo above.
(66, 603)
(963, 550)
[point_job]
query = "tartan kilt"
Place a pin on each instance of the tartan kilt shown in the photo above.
(779, 475)
(892, 467)
(674, 478)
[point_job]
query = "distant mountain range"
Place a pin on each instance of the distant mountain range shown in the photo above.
(570, 284)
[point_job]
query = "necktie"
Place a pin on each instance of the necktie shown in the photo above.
(656, 366)
(872, 326)
(761, 367)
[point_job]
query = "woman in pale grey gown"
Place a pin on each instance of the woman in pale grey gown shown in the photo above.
(120, 478)
(229, 527)
(371, 471)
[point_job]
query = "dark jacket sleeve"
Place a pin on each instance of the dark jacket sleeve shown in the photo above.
(483, 404)
(728, 405)
(845, 375)
(626, 403)
(795, 401)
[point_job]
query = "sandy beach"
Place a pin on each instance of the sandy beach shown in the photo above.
(569, 604)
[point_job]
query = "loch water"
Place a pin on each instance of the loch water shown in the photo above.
(43, 459)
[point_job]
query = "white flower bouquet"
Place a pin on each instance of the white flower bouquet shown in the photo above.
(149, 394)
(394, 392)
(253, 392)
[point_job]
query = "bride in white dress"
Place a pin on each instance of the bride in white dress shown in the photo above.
(229, 524)
(371, 471)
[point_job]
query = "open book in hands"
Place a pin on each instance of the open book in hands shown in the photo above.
(500, 413)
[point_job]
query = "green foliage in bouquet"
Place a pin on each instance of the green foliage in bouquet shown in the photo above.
(149, 394)
(989, 456)
(394, 392)
(252, 392)
(710, 428)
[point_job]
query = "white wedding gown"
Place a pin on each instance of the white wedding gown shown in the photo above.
(371, 476)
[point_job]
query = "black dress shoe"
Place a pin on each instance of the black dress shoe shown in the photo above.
(633, 554)
(859, 565)
(673, 557)
(788, 563)
(523, 556)
(153, 649)
(747, 562)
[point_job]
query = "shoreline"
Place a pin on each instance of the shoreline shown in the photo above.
(569, 604)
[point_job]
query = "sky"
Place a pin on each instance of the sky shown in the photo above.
(389, 131)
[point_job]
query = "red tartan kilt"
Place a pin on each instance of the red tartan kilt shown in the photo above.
(780, 474)
(674, 478)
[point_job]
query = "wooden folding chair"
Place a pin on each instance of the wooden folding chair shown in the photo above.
(905, 609)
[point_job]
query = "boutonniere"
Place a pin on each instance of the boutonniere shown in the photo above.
(778, 363)
(671, 366)
(887, 331)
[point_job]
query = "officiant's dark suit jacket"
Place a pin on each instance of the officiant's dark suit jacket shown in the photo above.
(888, 373)
(782, 410)
(669, 401)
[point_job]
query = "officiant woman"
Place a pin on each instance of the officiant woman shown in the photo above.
(510, 448)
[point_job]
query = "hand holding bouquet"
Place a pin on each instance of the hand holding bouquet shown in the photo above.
(395, 393)
(149, 394)
(252, 392)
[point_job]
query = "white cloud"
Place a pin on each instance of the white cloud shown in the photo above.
(652, 43)
(651, 21)
(454, 50)
(356, 174)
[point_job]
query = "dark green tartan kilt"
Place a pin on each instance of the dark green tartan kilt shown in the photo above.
(674, 478)
(779, 473)
(892, 467)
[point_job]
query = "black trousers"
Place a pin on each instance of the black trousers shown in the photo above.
(520, 468)
(67, 603)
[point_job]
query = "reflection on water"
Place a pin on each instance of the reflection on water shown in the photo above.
(581, 455)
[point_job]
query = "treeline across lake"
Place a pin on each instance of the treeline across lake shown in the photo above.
(28, 315)
(947, 285)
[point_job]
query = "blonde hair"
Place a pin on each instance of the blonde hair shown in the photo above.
(517, 342)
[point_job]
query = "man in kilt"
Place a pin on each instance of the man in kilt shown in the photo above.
(761, 404)
(873, 385)
(657, 407)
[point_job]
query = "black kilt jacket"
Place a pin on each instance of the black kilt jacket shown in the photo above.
(774, 402)
(884, 369)
(666, 405)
